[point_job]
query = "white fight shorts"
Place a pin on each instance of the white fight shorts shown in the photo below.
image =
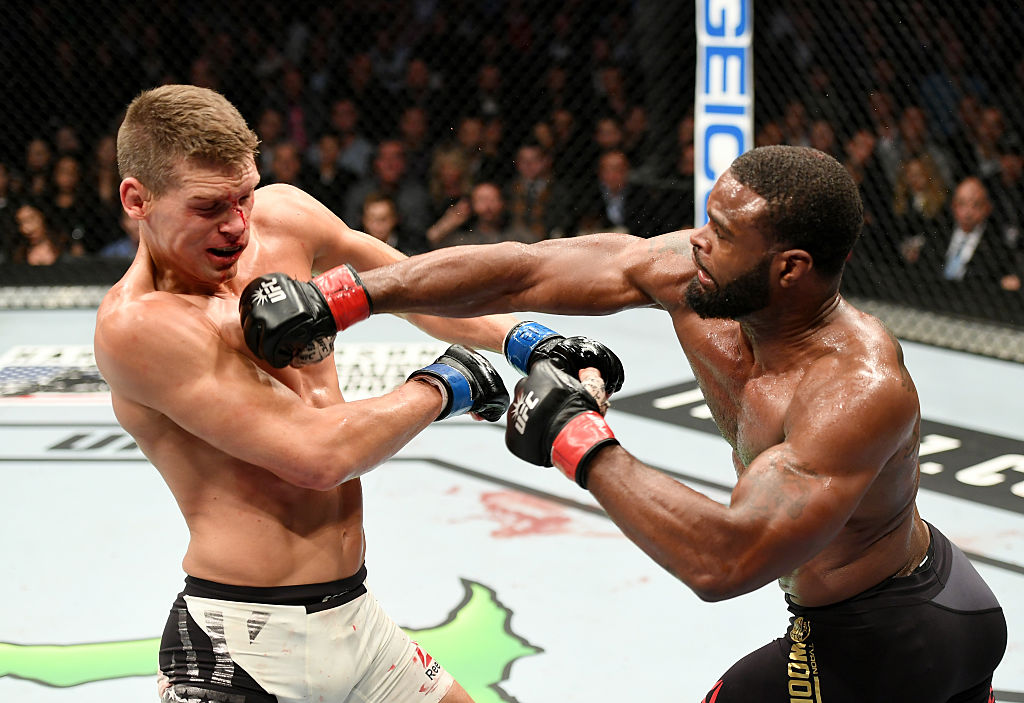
(320, 642)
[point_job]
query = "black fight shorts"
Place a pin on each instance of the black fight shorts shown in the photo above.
(934, 636)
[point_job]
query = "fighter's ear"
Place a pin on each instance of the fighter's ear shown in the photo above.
(793, 265)
(134, 196)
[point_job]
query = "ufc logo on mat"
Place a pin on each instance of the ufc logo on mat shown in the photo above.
(522, 411)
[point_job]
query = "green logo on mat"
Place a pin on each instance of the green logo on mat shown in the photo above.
(475, 643)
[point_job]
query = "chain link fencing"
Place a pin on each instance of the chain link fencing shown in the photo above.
(541, 109)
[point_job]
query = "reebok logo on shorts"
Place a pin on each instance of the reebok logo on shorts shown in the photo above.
(431, 667)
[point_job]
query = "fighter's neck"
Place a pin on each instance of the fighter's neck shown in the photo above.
(777, 339)
(172, 279)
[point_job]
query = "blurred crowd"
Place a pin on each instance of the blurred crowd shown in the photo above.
(429, 123)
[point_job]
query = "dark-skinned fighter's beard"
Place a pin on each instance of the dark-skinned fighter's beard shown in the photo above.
(746, 294)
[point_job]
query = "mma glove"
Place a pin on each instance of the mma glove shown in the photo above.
(468, 383)
(555, 421)
(530, 342)
(286, 321)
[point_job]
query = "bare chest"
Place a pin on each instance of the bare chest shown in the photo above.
(750, 408)
(316, 384)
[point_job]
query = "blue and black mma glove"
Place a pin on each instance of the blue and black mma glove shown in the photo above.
(468, 383)
(554, 421)
(530, 342)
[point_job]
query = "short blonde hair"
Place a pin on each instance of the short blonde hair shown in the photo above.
(173, 124)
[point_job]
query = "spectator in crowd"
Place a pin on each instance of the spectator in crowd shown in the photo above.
(414, 131)
(8, 206)
(436, 42)
(536, 201)
(469, 136)
(450, 179)
(495, 163)
(822, 136)
(329, 181)
(608, 134)
(563, 44)
(768, 134)
(614, 40)
(362, 86)
(613, 96)
(288, 167)
(960, 141)
(1006, 191)
(614, 204)
(479, 219)
(871, 261)
(983, 161)
(421, 88)
(942, 89)
(557, 92)
(321, 65)
(679, 196)
(66, 142)
(125, 246)
(637, 141)
(380, 219)
(795, 124)
(103, 178)
(270, 129)
(881, 114)
(919, 221)
(912, 138)
(489, 98)
(38, 167)
(684, 132)
(354, 149)
(544, 134)
(75, 210)
(822, 97)
(40, 243)
(974, 253)
(389, 57)
(388, 178)
(570, 148)
(302, 118)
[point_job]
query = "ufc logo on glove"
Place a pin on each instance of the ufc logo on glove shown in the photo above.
(522, 411)
(268, 292)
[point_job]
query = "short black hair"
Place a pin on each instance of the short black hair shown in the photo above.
(813, 202)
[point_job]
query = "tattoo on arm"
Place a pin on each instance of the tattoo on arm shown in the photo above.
(673, 246)
(785, 486)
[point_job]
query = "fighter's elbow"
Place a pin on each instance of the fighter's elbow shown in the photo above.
(320, 473)
(711, 589)
(721, 582)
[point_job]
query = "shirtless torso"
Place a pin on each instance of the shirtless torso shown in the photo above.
(815, 401)
(222, 427)
(754, 407)
(821, 413)
(247, 525)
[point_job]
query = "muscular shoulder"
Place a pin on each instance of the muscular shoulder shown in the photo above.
(281, 205)
(862, 382)
(148, 337)
(287, 216)
(663, 266)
